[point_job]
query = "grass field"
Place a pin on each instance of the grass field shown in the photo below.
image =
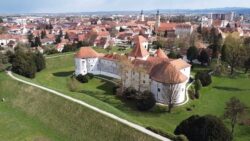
(98, 93)
(30, 114)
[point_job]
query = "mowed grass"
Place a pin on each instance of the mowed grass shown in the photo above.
(32, 114)
(99, 93)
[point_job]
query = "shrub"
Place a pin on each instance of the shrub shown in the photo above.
(73, 84)
(197, 87)
(90, 75)
(191, 93)
(82, 78)
(115, 89)
(204, 77)
(146, 101)
(180, 138)
(130, 93)
(203, 128)
(159, 108)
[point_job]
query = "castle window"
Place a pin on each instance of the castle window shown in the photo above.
(159, 90)
(144, 82)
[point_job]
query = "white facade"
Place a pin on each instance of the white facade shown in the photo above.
(140, 81)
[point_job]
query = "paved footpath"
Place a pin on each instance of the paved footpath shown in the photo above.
(130, 124)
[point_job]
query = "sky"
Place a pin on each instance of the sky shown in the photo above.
(57, 6)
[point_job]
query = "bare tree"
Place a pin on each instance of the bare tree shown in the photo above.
(234, 109)
(170, 95)
(124, 66)
(141, 71)
(235, 52)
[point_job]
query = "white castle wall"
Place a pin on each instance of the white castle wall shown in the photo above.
(140, 81)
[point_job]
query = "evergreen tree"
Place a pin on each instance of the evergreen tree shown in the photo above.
(39, 61)
(66, 35)
(192, 53)
(58, 39)
(204, 57)
(30, 37)
(43, 34)
(203, 128)
(37, 42)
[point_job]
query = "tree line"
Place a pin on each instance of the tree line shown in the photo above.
(27, 63)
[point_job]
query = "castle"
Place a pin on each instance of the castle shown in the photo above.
(148, 72)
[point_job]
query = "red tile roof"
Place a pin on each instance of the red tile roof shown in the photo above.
(86, 52)
(160, 53)
(139, 50)
(167, 73)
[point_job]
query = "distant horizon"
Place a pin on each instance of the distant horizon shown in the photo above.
(78, 6)
(136, 10)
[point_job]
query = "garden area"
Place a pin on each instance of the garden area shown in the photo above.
(99, 92)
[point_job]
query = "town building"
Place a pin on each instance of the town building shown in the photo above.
(155, 73)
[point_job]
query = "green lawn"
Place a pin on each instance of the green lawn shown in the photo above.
(31, 114)
(99, 93)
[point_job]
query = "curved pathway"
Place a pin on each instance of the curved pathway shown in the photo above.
(130, 124)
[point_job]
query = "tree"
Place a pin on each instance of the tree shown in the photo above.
(247, 65)
(204, 77)
(30, 37)
(146, 101)
(1, 20)
(82, 78)
(192, 53)
(171, 93)
(125, 66)
(3, 61)
(223, 53)
(130, 93)
(43, 34)
(203, 128)
(160, 43)
(234, 109)
(24, 64)
(121, 29)
(235, 52)
(58, 39)
(66, 35)
(40, 61)
(204, 57)
(197, 87)
(60, 33)
(174, 55)
(37, 42)
(69, 48)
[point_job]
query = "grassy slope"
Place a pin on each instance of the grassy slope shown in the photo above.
(212, 100)
(33, 114)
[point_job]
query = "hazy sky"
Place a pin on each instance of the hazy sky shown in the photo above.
(40, 6)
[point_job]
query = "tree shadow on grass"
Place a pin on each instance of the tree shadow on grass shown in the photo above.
(63, 74)
(227, 88)
(128, 106)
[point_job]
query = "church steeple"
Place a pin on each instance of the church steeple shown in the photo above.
(158, 19)
(142, 18)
